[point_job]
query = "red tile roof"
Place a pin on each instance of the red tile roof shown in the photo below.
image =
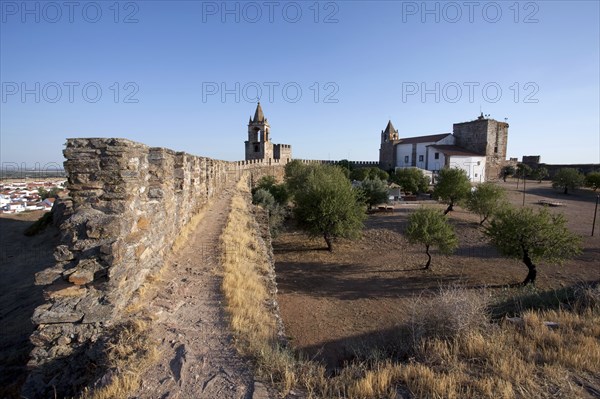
(434, 138)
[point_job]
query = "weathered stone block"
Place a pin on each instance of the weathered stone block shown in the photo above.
(62, 253)
(49, 275)
(64, 290)
(81, 277)
(156, 193)
(103, 226)
(52, 313)
(94, 310)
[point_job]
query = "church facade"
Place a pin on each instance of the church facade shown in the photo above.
(259, 144)
(478, 147)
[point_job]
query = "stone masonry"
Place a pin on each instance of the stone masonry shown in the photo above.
(128, 202)
(486, 137)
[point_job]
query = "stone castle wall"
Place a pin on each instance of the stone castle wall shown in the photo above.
(533, 161)
(354, 164)
(128, 202)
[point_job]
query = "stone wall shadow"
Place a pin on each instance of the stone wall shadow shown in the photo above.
(20, 258)
(68, 376)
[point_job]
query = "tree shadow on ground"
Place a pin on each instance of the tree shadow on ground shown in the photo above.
(348, 282)
(545, 191)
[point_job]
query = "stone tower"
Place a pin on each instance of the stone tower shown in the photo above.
(259, 145)
(487, 137)
(387, 150)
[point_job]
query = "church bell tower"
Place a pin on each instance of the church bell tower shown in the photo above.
(259, 145)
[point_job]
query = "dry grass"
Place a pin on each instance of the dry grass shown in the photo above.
(245, 270)
(248, 302)
(449, 348)
(128, 353)
(521, 359)
(189, 228)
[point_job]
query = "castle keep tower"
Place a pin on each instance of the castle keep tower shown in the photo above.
(486, 137)
(387, 150)
(259, 145)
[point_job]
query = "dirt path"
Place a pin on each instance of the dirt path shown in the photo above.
(198, 359)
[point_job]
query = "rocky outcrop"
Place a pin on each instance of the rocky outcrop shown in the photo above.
(128, 202)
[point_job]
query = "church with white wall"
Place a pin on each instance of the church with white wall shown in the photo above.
(478, 147)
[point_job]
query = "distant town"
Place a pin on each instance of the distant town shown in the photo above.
(22, 196)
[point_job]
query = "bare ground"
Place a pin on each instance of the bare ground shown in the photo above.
(332, 304)
(198, 359)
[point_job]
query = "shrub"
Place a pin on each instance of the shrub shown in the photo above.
(263, 198)
(453, 313)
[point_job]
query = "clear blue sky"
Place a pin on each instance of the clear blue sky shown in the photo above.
(369, 60)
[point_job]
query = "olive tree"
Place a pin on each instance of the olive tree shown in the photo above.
(539, 173)
(452, 187)
(429, 227)
(592, 180)
(486, 199)
(508, 170)
(296, 174)
(523, 170)
(411, 179)
(567, 178)
(278, 191)
(374, 192)
(522, 233)
(327, 206)
(361, 174)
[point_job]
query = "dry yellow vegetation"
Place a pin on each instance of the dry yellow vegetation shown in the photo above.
(129, 352)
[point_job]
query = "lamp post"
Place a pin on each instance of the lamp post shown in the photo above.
(595, 212)
(523, 186)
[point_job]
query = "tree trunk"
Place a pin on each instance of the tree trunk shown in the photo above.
(329, 241)
(531, 267)
(450, 208)
(429, 258)
(504, 177)
(566, 189)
